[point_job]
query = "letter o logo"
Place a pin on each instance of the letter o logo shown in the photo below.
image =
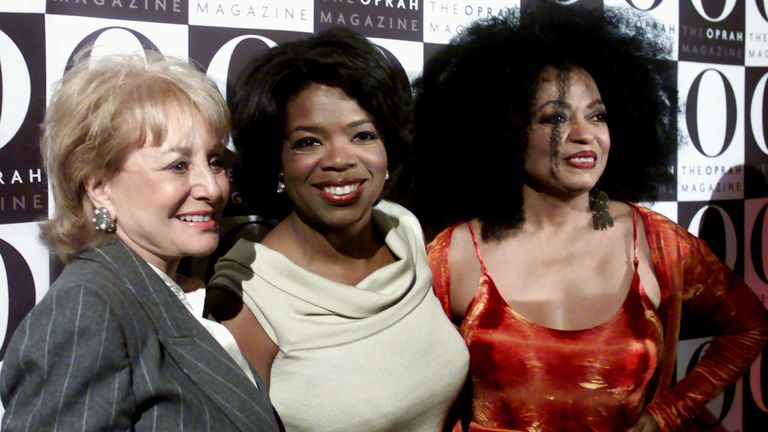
(692, 113)
(761, 8)
(757, 114)
(218, 68)
(728, 6)
(757, 244)
(15, 90)
(91, 39)
(17, 282)
(653, 5)
(729, 232)
(758, 383)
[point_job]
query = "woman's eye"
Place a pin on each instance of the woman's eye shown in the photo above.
(305, 142)
(366, 136)
(553, 119)
(601, 117)
(218, 164)
(179, 166)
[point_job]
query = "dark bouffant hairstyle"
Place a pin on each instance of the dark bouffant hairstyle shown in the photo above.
(474, 99)
(336, 57)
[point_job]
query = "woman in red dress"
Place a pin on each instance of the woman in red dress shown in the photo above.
(570, 302)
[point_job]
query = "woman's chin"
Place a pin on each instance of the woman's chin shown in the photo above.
(199, 249)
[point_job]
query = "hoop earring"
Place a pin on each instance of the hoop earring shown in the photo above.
(386, 176)
(103, 220)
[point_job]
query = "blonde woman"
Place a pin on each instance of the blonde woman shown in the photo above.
(135, 153)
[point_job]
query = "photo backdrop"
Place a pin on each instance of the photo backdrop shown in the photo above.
(720, 57)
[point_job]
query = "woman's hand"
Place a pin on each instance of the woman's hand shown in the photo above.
(645, 424)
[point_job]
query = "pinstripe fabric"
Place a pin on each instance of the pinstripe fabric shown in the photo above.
(111, 348)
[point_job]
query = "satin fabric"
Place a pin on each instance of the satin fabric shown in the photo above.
(518, 373)
(690, 276)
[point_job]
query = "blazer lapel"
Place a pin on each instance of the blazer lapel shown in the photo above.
(190, 346)
(212, 370)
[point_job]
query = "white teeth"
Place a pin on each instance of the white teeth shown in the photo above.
(195, 218)
(583, 159)
(340, 190)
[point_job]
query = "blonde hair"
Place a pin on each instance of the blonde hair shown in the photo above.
(103, 109)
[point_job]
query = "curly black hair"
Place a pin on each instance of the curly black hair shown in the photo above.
(473, 109)
(336, 57)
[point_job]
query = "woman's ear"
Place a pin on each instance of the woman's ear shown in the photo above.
(98, 189)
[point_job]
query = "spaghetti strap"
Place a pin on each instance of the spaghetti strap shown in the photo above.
(477, 247)
(635, 260)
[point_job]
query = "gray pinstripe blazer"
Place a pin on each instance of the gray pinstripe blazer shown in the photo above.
(110, 347)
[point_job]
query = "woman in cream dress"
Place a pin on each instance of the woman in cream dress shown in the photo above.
(341, 320)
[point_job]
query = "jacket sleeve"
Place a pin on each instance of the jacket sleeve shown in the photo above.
(720, 304)
(67, 367)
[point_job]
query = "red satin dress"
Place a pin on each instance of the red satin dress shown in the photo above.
(527, 377)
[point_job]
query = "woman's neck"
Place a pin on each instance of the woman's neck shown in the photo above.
(346, 256)
(167, 265)
(358, 242)
(543, 210)
(168, 269)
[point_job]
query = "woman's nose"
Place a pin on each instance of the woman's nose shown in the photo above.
(581, 132)
(339, 156)
(205, 184)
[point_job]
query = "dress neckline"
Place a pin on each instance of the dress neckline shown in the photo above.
(309, 311)
(635, 286)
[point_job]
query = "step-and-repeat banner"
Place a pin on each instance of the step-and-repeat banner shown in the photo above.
(720, 55)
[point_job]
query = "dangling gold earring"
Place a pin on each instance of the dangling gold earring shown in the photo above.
(598, 203)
